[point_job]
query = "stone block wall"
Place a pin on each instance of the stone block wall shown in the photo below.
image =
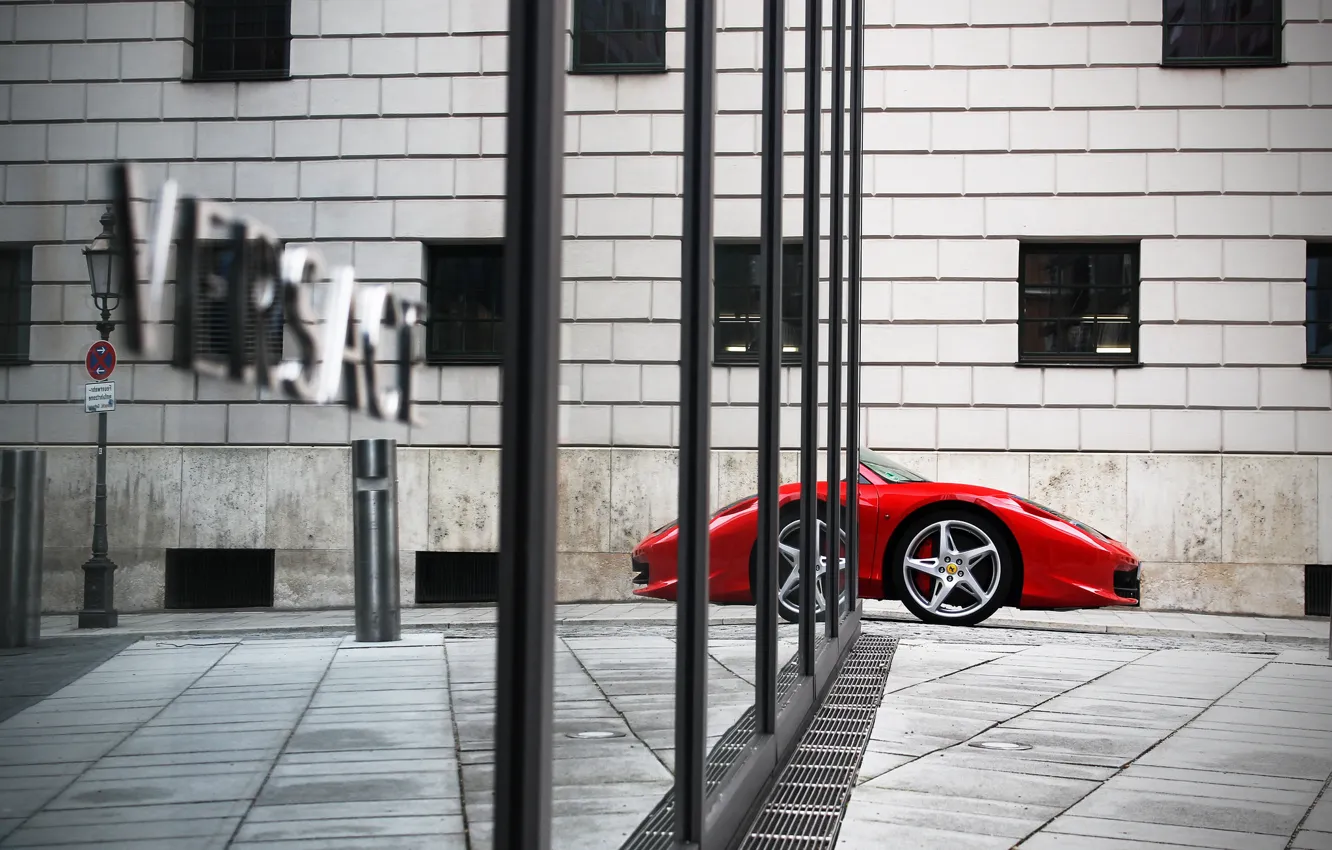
(988, 124)
(1225, 533)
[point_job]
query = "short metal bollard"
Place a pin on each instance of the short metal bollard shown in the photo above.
(375, 545)
(22, 516)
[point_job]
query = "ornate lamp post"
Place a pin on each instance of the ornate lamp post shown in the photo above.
(99, 611)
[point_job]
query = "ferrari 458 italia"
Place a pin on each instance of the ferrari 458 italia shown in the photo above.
(952, 553)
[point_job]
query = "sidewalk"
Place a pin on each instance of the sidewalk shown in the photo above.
(1107, 749)
(480, 620)
(321, 742)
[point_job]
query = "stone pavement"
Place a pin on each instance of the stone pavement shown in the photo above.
(29, 675)
(306, 742)
(479, 619)
(1120, 748)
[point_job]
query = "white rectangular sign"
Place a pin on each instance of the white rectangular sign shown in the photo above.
(99, 397)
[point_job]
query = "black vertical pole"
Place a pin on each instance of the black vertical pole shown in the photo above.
(832, 576)
(691, 695)
(809, 354)
(853, 303)
(534, 171)
(770, 359)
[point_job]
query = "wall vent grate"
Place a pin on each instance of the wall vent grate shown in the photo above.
(198, 579)
(454, 577)
(1318, 590)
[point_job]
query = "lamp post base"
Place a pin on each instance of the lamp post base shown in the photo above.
(99, 611)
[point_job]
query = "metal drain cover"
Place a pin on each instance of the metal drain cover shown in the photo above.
(596, 734)
(1000, 745)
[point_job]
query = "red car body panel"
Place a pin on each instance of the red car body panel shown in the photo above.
(1062, 565)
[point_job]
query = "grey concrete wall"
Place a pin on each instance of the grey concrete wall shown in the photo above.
(1216, 533)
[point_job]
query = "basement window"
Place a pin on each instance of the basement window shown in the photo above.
(1318, 590)
(226, 579)
(453, 577)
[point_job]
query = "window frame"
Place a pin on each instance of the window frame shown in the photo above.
(233, 75)
(1321, 250)
(1092, 360)
(722, 357)
(432, 324)
(1275, 61)
(16, 336)
(578, 66)
(213, 346)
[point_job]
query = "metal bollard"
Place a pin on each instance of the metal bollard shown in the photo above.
(375, 546)
(22, 516)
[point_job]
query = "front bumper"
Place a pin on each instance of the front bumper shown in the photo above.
(640, 570)
(1128, 579)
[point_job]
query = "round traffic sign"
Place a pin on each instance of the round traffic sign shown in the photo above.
(101, 360)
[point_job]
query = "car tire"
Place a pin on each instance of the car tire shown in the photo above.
(964, 586)
(788, 526)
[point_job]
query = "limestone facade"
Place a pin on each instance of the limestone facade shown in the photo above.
(989, 125)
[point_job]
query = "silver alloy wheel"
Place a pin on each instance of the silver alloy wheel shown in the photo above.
(963, 568)
(788, 546)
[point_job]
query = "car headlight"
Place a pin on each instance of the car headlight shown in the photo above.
(1081, 526)
(732, 506)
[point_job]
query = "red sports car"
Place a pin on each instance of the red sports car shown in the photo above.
(952, 553)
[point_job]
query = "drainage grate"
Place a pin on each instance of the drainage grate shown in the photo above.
(806, 806)
(853, 701)
(219, 578)
(1318, 590)
(451, 577)
(657, 831)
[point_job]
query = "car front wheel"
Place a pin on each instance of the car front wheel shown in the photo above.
(952, 567)
(789, 563)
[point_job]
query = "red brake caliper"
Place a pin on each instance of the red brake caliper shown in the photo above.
(922, 581)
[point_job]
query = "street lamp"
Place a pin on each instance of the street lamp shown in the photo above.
(99, 611)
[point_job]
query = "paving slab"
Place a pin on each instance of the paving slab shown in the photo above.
(1188, 836)
(182, 830)
(1180, 746)
(1307, 839)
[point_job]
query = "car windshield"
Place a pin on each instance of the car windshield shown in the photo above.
(888, 469)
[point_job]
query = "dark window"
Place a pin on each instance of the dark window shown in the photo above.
(451, 577)
(1317, 590)
(1078, 304)
(1318, 304)
(465, 293)
(15, 304)
(619, 36)
(212, 332)
(219, 578)
(1222, 32)
(242, 39)
(738, 276)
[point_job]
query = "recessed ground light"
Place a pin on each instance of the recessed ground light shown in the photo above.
(597, 734)
(1000, 745)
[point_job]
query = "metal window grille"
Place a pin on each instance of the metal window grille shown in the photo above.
(212, 330)
(219, 578)
(619, 36)
(1221, 32)
(1318, 304)
(1318, 590)
(465, 295)
(242, 39)
(738, 282)
(15, 305)
(452, 577)
(1078, 304)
